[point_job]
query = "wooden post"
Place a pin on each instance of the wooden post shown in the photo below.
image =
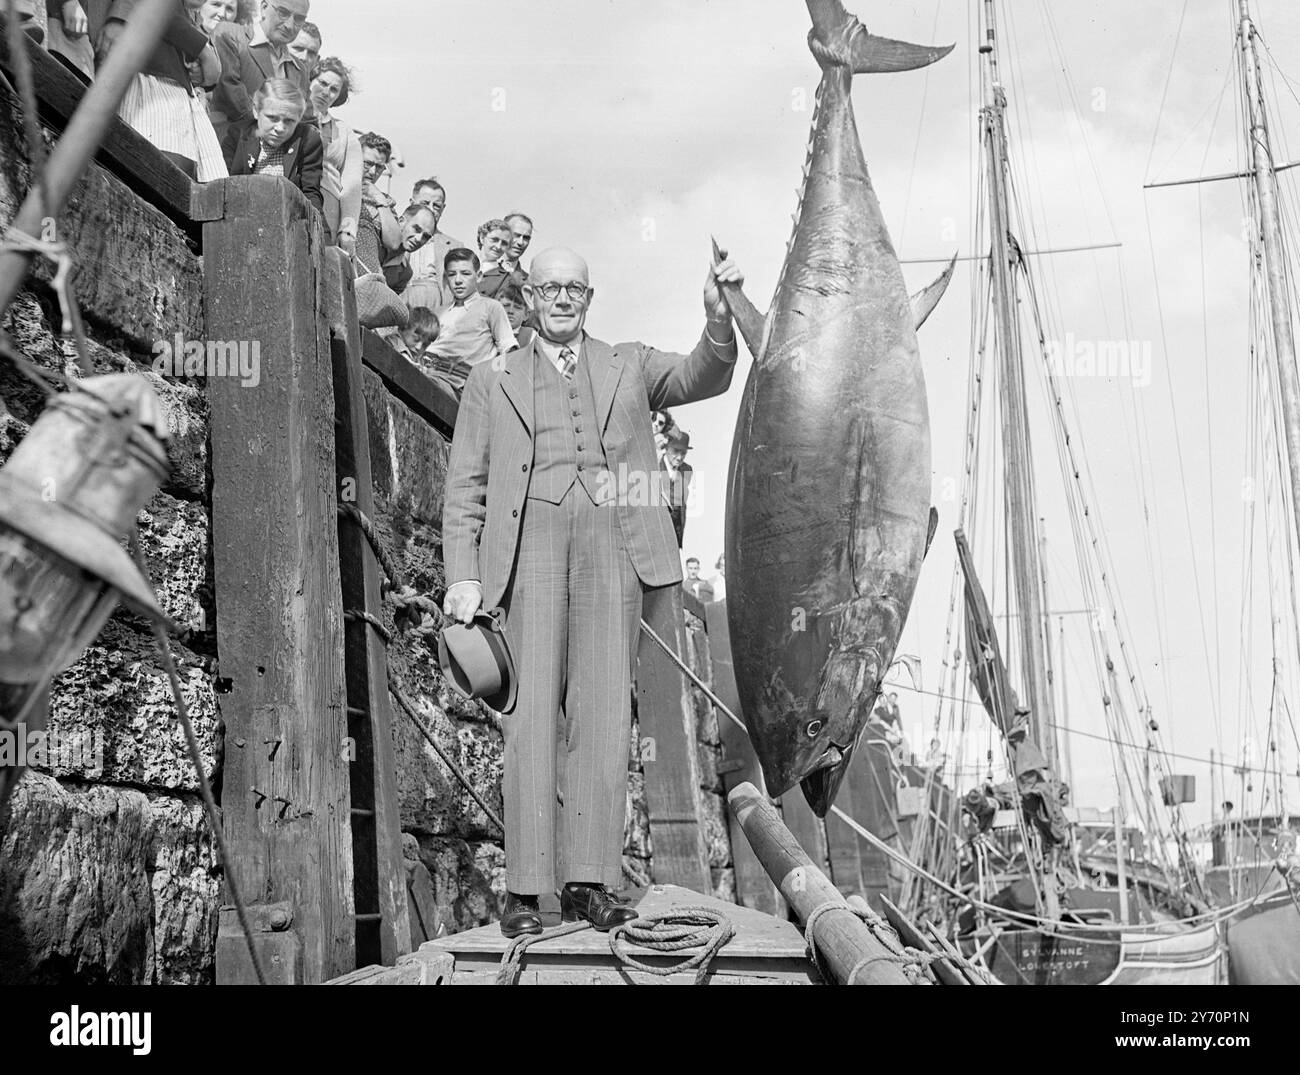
(666, 714)
(807, 827)
(850, 951)
(739, 765)
(383, 921)
(284, 798)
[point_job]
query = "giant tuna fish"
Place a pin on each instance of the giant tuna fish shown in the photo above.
(828, 506)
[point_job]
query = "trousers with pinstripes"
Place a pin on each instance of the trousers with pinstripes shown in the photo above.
(571, 616)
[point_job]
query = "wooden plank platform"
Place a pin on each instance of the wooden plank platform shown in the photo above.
(764, 951)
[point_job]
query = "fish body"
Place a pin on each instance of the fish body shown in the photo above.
(828, 502)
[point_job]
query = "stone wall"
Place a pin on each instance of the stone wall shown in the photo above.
(106, 866)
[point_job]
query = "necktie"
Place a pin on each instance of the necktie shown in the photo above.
(568, 363)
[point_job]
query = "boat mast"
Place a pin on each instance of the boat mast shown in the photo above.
(1015, 414)
(1266, 195)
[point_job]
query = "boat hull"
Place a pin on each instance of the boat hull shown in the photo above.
(1264, 942)
(1181, 956)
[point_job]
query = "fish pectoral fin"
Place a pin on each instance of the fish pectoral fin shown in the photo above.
(929, 533)
(925, 300)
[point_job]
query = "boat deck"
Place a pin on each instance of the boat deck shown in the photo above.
(764, 951)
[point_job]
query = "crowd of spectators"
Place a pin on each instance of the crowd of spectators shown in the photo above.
(242, 87)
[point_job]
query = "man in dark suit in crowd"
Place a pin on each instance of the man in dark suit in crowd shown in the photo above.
(547, 516)
(250, 57)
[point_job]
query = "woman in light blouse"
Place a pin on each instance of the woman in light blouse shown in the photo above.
(331, 85)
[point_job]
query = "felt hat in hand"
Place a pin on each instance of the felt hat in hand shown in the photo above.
(477, 662)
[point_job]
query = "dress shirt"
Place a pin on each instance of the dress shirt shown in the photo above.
(279, 54)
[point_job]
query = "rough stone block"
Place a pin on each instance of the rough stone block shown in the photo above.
(105, 885)
(469, 880)
(118, 696)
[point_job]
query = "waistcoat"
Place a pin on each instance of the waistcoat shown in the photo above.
(566, 440)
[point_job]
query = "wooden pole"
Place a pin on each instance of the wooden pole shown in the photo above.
(1275, 267)
(739, 764)
(850, 951)
(666, 716)
(1018, 478)
(285, 801)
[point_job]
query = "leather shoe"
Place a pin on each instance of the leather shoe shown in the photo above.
(596, 904)
(521, 915)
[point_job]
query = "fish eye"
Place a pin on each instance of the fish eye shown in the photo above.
(814, 726)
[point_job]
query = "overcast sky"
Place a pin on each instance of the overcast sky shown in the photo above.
(632, 131)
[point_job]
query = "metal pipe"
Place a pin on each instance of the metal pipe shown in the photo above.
(83, 135)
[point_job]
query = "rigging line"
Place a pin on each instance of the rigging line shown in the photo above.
(1077, 500)
(1164, 95)
(1182, 469)
(1054, 41)
(973, 702)
(920, 126)
(1074, 931)
(1209, 442)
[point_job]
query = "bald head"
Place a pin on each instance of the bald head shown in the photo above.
(559, 316)
(558, 264)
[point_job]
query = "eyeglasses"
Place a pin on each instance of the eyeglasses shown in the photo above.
(286, 15)
(550, 292)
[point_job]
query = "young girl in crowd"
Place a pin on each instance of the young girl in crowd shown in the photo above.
(331, 86)
(277, 142)
(165, 104)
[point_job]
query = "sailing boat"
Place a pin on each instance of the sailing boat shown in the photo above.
(1032, 892)
(1254, 868)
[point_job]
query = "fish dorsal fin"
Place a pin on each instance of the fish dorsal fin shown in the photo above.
(925, 300)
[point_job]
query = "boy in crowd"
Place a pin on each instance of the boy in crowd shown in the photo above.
(474, 328)
(421, 330)
(277, 142)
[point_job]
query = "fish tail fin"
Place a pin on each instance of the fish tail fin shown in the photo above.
(837, 38)
(745, 313)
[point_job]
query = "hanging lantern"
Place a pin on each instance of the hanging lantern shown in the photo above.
(69, 495)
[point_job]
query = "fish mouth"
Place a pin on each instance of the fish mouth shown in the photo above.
(822, 784)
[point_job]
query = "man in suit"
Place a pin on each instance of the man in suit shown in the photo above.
(250, 57)
(547, 515)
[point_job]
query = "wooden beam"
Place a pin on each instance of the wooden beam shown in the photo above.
(666, 714)
(851, 952)
(379, 869)
(430, 400)
(281, 690)
(739, 765)
(128, 155)
(806, 826)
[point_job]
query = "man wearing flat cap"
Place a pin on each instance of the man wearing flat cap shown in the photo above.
(549, 515)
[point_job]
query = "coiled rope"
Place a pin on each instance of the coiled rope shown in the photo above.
(682, 928)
